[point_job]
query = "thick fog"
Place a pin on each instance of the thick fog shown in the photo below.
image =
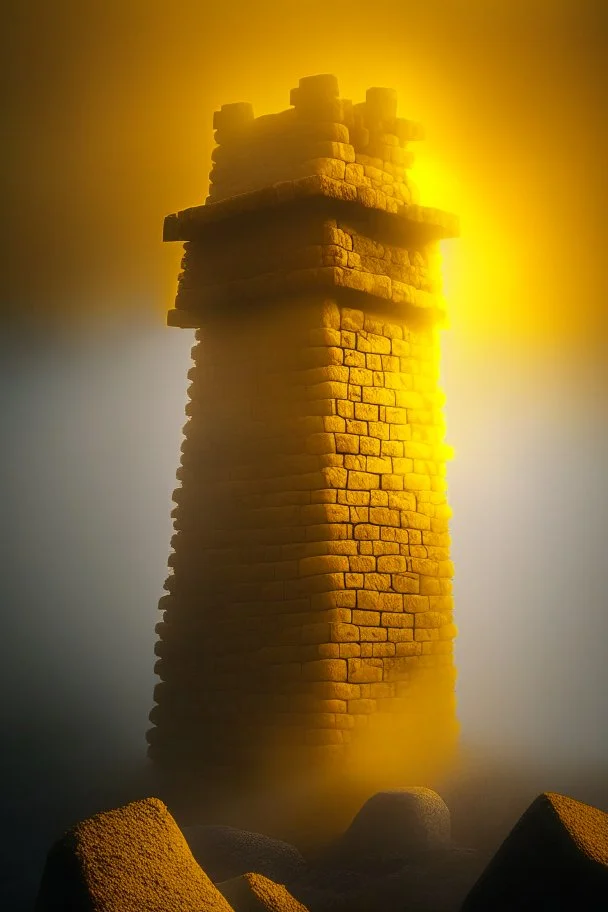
(109, 115)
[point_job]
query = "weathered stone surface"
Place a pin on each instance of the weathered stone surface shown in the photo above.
(255, 893)
(556, 857)
(226, 852)
(311, 555)
(398, 824)
(189, 224)
(131, 858)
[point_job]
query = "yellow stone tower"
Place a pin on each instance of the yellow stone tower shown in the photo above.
(308, 614)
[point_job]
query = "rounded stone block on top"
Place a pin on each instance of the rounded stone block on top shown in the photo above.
(322, 87)
(233, 117)
(381, 103)
(397, 824)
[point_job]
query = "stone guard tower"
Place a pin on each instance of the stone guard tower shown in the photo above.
(309, 607)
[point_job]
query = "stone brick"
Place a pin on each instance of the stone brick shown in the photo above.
(361, 671)
(353, 580)
(359, 514)
(366, 532)
(383, 650)
(356, 427)
(360, 376)
(424, 634)
(379, 581)
(349, 650)
(344, 633)
(415, 603)
(363, 481)
(400, 634)
(334, 477)
(366, 411)
(378, 498)
(352, 319)
(392, 448)
(355, 498)
(379, 464)
(378, 395)
(396, 619)
(365, 618)
(347, 443)
(335, 690)
(372, 634)
(338, 601)
(389, 601)
(384, 516)
(407, 584)
(354, 358)
(323, 563)
(362, 563)
(345, 408)
(392, 564)
(355, 463)
(392, 482)
(425, 567)
(331, 670)
(332, 424)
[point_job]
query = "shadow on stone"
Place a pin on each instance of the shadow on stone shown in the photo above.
(226, 852)
(126, 860)
(256, 893)
(392, 828)
(556, 857)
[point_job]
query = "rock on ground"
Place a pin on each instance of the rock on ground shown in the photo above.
(226, 852)
(255, 893)
(556, 857)
(398, 825)
(130, 859)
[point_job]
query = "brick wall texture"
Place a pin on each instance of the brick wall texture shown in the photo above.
(310, 578)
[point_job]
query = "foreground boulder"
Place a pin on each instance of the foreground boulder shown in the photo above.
(226, 852)
(255, 893)
(131, 859)
(394, 827)
(556, 857)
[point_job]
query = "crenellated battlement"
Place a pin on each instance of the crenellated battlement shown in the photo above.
(365, 144)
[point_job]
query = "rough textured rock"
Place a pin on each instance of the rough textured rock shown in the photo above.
(556, 857)
(395, 826)
(255, 893)
(226, 852)
(131, 859)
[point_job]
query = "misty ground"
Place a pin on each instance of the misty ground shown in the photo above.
(47, 785)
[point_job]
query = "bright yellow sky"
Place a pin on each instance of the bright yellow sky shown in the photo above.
(112, 128)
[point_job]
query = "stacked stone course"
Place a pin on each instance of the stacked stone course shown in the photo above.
(311, 576)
